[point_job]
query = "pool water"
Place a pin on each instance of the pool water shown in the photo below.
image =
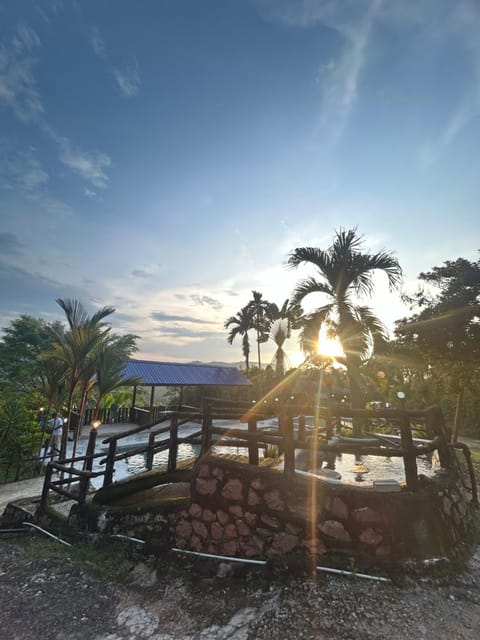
(137, 463)
(377, 468)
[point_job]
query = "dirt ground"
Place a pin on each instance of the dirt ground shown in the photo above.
(52, 592)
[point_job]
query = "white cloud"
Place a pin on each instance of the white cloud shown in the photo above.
(98, 44)
(20, 169)
(128, 79)
(465, 24)
(339, 77)
(90, 166)
(18, 88)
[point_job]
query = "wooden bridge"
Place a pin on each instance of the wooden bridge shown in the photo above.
(404, 434)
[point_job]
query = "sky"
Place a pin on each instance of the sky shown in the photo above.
(165, 157)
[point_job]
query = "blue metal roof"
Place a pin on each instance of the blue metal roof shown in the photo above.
(175, 374)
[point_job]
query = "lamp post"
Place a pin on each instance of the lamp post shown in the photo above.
(92, 439)
(88, 464)
(401, 397)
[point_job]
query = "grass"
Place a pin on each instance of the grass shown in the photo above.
(112, 561)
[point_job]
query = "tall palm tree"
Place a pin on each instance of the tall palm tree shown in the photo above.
(76, 345)
(240, 325)
(344, 271)
(260, 314)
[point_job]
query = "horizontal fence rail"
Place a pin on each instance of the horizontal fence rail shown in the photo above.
(385, 433)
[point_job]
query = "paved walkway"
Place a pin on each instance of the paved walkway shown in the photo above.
(22, 489)
(33, 487)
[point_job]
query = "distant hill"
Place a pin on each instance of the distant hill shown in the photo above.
(234, 365)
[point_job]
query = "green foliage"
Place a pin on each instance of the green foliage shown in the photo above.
(21, 347)
(444, 337)
(20, 432)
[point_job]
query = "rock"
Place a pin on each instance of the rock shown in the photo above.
(366, 515)
(233, 489)
(195, 510)
(200, 529)
(225, 570)
(223, 517)
(339, 509)
(253, 498)
(335, 529)
(274, 500)
(208, 515)
(236, 510)
(205, 487)
(143, 576)
(183, 529)
(283, 543)
(203, 471)
(216, 531)
(270, 521)
(371, 537)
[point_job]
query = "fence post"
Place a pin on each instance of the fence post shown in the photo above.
(252, 444)
(110, 463)
(46, 487)
(87, 465)
(289, 455)
(409, 458)
(151, 444)
(173, 449)
(206, 428)
(301, 427)
(436, 427)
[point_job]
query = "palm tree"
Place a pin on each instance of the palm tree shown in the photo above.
(242, 323)
(110, 366)
(344, 271)
(260, 314)
(76, 346)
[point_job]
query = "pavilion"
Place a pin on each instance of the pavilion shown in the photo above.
(167, 374)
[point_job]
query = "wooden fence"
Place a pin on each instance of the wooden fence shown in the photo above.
(290, 433)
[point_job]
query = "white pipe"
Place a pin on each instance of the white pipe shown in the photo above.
(12, 531)
(354, 574)
(47, 533)
(263, 562)
(215, 557)
(119, 535)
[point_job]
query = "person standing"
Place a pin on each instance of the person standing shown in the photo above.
(56, 437)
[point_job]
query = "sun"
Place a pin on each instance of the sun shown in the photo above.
(330, 347)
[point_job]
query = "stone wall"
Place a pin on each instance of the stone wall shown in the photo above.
(246, 511)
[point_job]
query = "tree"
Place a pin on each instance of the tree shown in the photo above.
(445, 330)
(260, 311)
(344, 272)
(77, 345)
(21, 348)
(240, 325)
(279, 333)
(110, 364)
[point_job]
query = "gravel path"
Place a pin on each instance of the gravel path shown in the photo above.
(48, 592)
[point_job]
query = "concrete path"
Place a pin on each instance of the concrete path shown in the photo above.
(22, 489)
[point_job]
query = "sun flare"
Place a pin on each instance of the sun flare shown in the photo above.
(297, 358)
(327, 346)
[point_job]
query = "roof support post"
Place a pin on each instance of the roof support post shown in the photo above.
(152, 396)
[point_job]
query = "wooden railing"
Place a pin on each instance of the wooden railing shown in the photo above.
(290, 434)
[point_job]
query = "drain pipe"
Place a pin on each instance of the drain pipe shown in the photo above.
(263, 562)
(354, 574)
(119, 535)
(215, 557)
(47, 533)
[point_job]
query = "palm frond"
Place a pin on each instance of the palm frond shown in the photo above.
(306, 287)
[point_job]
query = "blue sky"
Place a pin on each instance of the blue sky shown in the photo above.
(164, 157)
